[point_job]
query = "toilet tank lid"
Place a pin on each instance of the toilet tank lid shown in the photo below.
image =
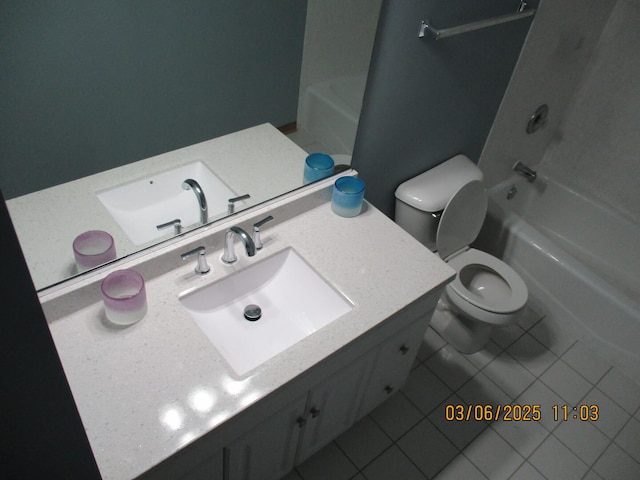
(431, 191)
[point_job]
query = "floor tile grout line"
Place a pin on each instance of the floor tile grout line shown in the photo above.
(613, 440)
(393, 444)
(537, 377)
(593, 386)
(426, 477)
(559, 423)
(547, 435)
(546, 348)
(589, 466)
(400, 392)
(532, 466)
(358, 470)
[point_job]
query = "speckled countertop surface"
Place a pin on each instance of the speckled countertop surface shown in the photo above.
(147, 390)
(47, 221)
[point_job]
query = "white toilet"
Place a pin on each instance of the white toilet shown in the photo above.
(444, 208)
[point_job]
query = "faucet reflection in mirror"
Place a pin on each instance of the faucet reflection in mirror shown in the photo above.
(191, 184)
(131, 201)
(231, 208)
(176, 224)
(332, 50)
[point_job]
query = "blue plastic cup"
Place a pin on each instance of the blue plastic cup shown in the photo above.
(317, 166)
(347, 196)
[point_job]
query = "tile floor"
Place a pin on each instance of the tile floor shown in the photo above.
(534, 362)
(531, 363)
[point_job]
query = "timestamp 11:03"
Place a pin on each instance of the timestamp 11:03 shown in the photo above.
(586, 413)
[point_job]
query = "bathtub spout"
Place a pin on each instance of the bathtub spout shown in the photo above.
(525, 171)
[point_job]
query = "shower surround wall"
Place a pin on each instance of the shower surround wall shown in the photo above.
(338, 40)
(589, 146)
(597, 149)
(563, 39)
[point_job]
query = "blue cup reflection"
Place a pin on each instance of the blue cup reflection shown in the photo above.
(317, 166)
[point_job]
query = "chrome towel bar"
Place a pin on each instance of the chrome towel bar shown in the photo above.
(523, 12)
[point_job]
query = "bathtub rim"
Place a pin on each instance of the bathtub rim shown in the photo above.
(508, 243)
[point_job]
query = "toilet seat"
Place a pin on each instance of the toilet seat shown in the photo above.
(462, 219)
(518, 289)
(444, 208)
(460, 224)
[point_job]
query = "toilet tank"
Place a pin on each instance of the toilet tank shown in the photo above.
(421, 199)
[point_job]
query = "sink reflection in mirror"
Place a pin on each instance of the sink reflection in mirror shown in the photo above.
(115, 123)
(294, 300)
(140, 206)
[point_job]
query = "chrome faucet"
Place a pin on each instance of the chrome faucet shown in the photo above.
(229, 255)
(525, 171)
(201, 266)
(190, 184)
(257, 239)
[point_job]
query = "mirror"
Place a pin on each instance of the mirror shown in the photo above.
(100, 96)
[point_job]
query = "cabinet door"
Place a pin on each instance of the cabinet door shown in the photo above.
(268, 451)
(211, 469)
(333, 406)
(393, 362)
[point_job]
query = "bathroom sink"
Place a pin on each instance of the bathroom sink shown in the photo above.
(140, 206)
(295, 301)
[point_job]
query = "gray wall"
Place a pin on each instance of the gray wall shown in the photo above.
(87, 85)
(428, 100)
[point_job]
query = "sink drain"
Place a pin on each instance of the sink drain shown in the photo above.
(252, 312)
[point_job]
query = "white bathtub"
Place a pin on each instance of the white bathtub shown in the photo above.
(331, 110)
(579, 259)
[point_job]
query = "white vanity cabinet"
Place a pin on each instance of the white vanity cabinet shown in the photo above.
(392, 362)
(297, 431)
(333, 406)
(182, 412)
(268, 450)
(304, 426)
(212, 468)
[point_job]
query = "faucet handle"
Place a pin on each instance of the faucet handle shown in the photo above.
(256, 231)
(176, 224)
(231, 207)
(201, 267)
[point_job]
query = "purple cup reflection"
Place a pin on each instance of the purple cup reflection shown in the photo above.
(93, 248)
(124, 297)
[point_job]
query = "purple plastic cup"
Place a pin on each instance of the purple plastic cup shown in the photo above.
(124, 297)
(93, 248)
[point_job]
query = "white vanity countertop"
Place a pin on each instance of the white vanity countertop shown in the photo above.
(147, 390)
(47, 221)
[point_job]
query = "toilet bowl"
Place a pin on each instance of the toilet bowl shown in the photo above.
(444, 208)
(485, 293)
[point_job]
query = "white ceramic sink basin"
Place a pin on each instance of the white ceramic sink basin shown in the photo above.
(294, 299)
(140, 206)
